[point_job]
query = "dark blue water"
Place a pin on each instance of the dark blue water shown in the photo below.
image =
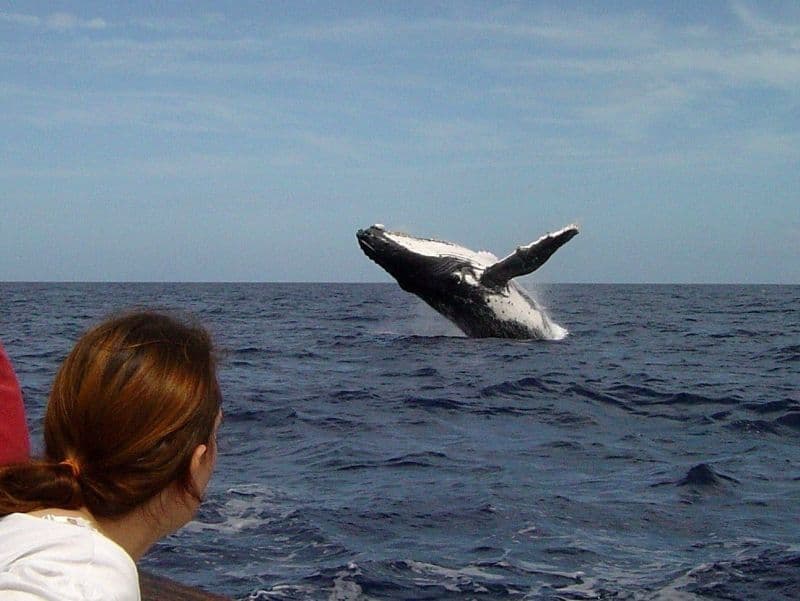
(371, 452)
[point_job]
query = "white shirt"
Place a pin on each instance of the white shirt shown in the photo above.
(57, 558)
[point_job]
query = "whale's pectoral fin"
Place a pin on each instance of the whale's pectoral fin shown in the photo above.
(436, 269)
(526, 259)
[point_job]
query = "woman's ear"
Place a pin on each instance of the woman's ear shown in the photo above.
(202, 466)
(204, 459)
(199, 456)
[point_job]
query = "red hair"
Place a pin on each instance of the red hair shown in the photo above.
(129, 405)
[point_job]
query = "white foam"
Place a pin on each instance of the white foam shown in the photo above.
(345, 589)
(470, 571)
(243, 509)
(546, 569)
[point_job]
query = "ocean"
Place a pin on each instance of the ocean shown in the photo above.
(370, 451)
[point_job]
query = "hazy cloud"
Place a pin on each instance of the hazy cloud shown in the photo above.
(19, 19)
(59, 21)
(179, 24)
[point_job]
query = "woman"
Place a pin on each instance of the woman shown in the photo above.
(130, 445)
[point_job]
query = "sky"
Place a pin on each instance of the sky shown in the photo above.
(248, 141)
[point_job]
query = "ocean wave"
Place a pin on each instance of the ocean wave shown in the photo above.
(435, 403)
(772, 574)
(753, 426)
(519, 388)
(791, 420)
(427, 459)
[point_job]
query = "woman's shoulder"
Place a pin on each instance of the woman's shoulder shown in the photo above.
(63, 559)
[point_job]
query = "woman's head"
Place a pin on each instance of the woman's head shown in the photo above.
(130, 406)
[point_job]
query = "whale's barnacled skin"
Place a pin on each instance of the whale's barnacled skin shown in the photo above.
(472, 289)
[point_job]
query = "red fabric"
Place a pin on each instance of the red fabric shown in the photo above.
(14, 440)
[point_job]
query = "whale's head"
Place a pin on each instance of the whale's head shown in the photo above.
(376, 244)
(395, 253)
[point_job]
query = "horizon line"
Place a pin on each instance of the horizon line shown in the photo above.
(370, 283)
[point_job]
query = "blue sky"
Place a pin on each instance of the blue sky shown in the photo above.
(248, 141)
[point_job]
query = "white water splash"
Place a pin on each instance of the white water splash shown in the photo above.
(520, 306)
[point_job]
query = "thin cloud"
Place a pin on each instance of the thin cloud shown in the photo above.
(179, 24)
(19, 19)
(174, 112)
(596, 32)
(765, 27)
(59, 21)
(66, 22)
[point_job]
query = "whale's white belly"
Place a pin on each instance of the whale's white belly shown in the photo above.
(516, 306)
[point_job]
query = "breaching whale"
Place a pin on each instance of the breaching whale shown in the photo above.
(472, 289)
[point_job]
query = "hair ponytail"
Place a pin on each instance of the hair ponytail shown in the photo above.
(37, 485)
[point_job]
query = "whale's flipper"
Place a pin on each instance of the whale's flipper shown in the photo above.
(526, 259)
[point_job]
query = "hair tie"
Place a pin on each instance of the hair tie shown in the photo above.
(73, 466)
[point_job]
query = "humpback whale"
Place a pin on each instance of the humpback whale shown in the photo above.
(472, 289)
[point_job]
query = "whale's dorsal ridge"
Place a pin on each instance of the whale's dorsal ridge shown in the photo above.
(526, 259)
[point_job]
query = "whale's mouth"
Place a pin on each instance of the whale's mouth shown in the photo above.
(372, 242)
(364, 241)
(365, 245)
